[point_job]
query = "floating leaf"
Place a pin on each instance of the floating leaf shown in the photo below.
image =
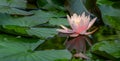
(58, 21)
(25, 21)
(12, 25)
(16, 30)
(22, 49)
(42, 32)
(109, 49)
(14, 3)
(11, 7)
(40, 17)
(11, 10)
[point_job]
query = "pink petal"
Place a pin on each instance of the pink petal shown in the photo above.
(91, 23)
(82, 29)
(83, 14)
(82, 21)
(64, 31)
(85, 24)
(87, 19)
(73, 21)
(70, 21)
(65, 28)
(74, 35)
(74, 16)
(88, 33)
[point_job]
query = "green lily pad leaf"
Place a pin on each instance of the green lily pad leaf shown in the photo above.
(52, 55)
(49, 14)
(109, 49)
(13, 25)
(16, 30)
(58, 21)
(10, 10)
(14, 3)
(40, 17)
(11, 7)
(42, 32)
(22, 49)
(28, 21)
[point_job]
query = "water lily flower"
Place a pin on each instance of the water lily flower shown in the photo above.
(79, 24)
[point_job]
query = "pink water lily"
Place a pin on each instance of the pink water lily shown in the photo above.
(79, 24)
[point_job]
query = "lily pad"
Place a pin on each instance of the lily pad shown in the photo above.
(14, 3)
(22, 49)
(24, 21)
(11, 7)
(10, 10)
(42, 32)
(58, 21)
(109, 49)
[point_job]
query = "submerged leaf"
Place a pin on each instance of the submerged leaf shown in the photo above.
(76, 6)
(51, 4)
(110, 14)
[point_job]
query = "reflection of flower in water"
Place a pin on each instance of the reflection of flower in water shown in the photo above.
(79, 25)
